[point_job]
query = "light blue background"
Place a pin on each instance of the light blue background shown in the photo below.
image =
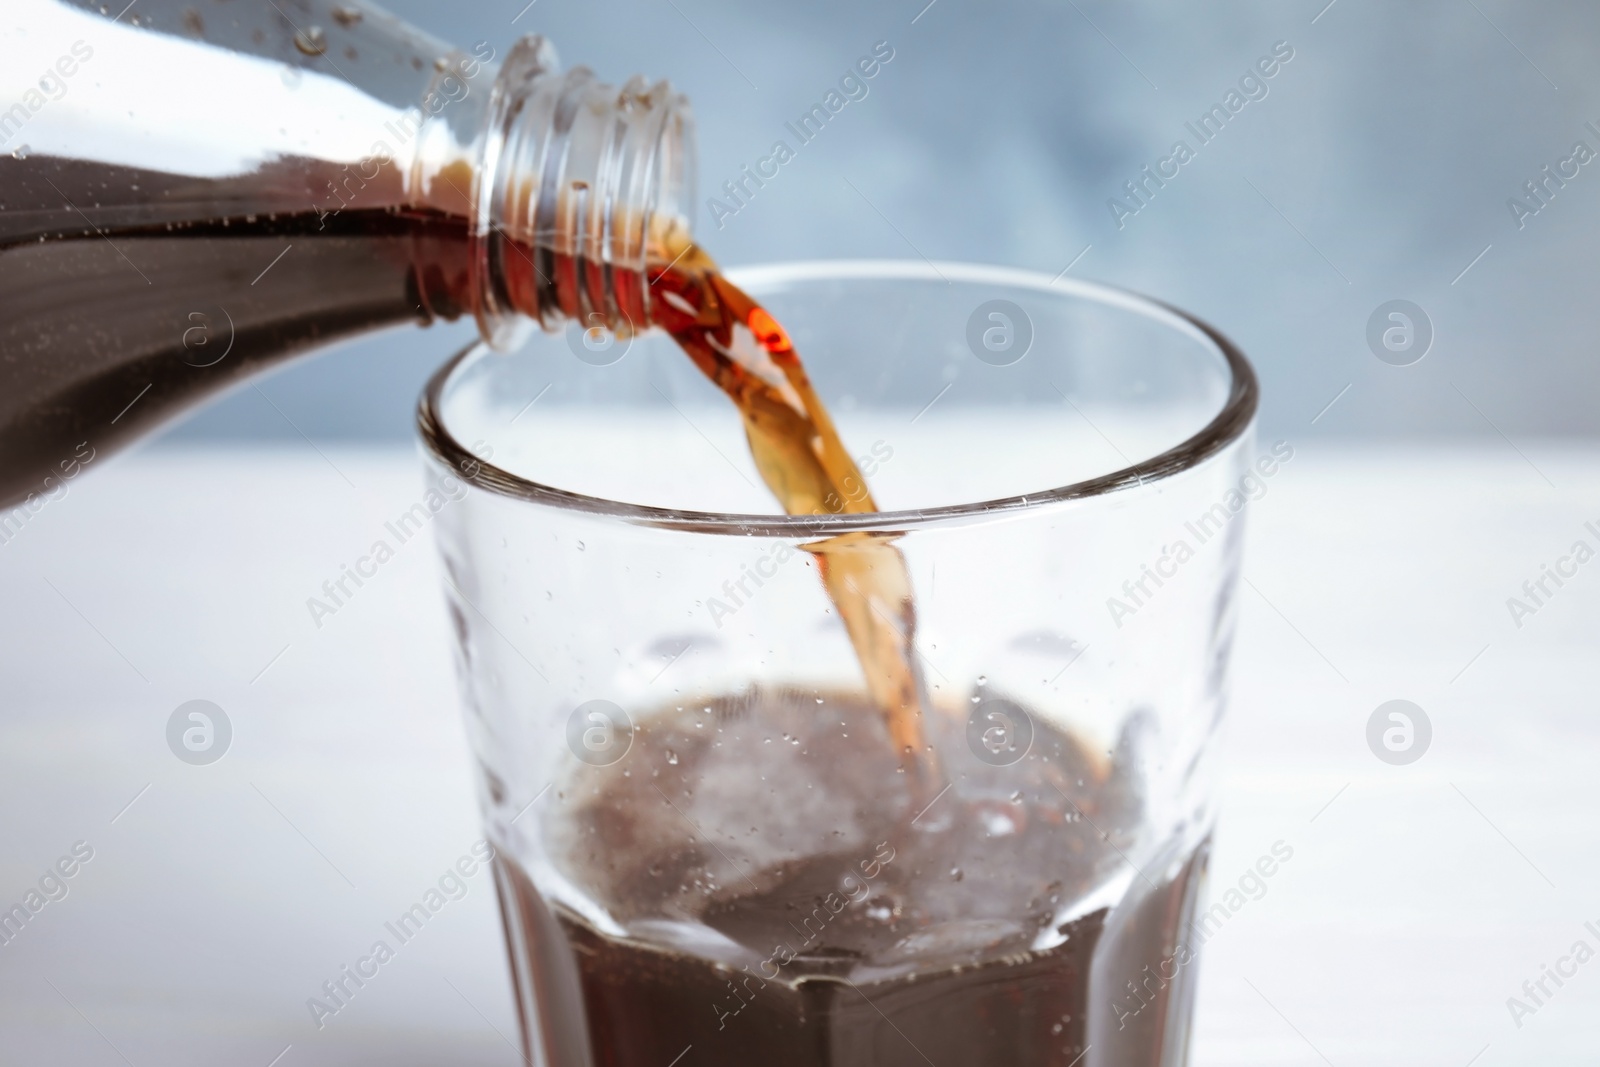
(1381, 162)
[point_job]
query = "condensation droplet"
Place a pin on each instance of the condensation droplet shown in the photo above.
(311, 41)
(672, 757)
(346, 16)
(20, 152)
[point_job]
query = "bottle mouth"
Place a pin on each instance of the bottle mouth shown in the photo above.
(582, 187)
(1228, 422)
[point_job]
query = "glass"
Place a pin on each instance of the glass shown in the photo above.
(705, 840)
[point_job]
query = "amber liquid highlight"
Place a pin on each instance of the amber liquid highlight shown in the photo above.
(747, 354)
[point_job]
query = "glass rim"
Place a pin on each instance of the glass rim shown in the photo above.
(1226, 426)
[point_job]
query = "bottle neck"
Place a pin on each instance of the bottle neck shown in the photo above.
(570, 187)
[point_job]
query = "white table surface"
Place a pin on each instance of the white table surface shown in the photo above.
(1418, 900)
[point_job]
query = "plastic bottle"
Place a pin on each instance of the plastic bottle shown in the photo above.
(190, 193)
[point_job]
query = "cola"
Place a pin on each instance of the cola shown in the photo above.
(761, 884)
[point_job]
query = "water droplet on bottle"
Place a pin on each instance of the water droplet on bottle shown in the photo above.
(580, 546)
(955, 874)
(672, 757)
(983, 679)
(311, 41)
(346, 16)
(20, 152)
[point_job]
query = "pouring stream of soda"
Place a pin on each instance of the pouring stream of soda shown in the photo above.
(747, 354)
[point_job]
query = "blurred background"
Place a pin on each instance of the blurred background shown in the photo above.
(1377, 167)
(1374, 165)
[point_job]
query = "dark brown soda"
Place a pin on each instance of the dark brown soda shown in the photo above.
(131, 295)
(108, 330)
(784, 902)
(114, 324)
(110, 327)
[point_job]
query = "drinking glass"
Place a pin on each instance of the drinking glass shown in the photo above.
(707, 847)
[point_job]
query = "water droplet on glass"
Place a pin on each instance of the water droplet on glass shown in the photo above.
(311, 41)
(955, 874)
(983, 679)
(20, 152)
(672, 757)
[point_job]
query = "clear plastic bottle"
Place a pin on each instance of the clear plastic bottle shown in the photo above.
(192, 192)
